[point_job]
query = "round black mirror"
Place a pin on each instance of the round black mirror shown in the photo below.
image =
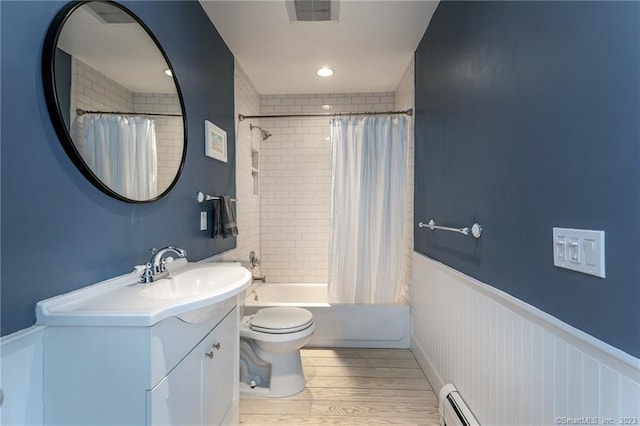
(114, 100)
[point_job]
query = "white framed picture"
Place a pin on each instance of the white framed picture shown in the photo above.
(215, 141)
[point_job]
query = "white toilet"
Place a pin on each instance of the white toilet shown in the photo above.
(270, 342)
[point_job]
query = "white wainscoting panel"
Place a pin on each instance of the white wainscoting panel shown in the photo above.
(21, 378)
(512, 363)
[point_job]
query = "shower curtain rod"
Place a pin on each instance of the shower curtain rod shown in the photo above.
(408, 112)
(82, 112)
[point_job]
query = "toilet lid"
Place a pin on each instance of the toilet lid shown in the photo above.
(278, 320)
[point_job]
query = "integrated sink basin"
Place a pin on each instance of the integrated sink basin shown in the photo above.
(195, 282)
(191, 292)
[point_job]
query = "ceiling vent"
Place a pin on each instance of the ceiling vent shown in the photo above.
(108, 14)
(313, 10)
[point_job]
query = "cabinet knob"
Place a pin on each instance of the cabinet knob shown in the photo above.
(217, 346)
(209, 354)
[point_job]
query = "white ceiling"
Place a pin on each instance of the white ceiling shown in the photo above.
(369, 47)
(123, 52)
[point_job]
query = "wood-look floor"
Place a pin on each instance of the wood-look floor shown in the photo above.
(351, 387)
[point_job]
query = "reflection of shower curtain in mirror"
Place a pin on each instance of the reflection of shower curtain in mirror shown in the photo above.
(121, 152)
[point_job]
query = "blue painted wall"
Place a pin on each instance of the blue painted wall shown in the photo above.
(60, 233)
(528, 117)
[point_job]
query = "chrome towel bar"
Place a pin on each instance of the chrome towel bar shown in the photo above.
(475, 230)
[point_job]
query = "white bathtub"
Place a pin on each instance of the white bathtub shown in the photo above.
(337, 325)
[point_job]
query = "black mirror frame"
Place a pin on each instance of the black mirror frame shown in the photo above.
(51, 98)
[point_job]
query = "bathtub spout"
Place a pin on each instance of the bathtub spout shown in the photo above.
(263, 279)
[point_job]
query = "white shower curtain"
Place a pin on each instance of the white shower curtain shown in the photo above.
(367, 212)
(121, 152)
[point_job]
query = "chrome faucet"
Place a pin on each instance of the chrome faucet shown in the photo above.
(156, 268)
(253, 259)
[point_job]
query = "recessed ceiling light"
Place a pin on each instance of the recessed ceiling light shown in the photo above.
(168, 72)
(325, 72)
(326, 106)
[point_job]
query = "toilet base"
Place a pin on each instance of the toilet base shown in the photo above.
(287, 377)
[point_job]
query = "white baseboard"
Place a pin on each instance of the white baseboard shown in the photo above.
(421, 356)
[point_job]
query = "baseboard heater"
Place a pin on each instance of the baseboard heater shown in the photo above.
(453, 410)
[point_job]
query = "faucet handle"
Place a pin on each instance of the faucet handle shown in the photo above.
(253, 259)
(147, 275)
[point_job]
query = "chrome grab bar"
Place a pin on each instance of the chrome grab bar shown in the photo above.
(475, 230)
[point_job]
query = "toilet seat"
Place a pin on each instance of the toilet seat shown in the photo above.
(281, 320)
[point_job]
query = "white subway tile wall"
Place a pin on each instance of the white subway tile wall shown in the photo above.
(93, 91)
(247, 102)
(296, 182)
(404, 99)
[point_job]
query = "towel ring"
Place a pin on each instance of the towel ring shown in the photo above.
(201, 197)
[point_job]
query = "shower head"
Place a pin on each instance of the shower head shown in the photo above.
(265, 134)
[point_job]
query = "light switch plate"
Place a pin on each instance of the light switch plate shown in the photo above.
(580, 250)
(203, 221)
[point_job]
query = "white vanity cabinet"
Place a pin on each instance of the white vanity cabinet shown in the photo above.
(203, 387)
(171, 373)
